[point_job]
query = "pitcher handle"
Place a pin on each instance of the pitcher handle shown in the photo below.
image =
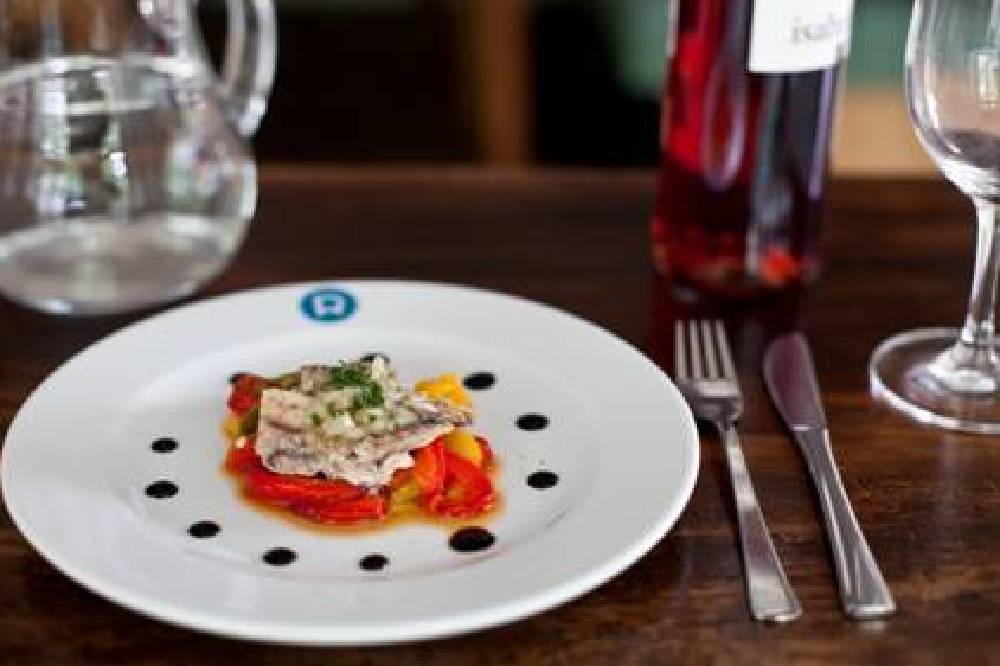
(248, 68)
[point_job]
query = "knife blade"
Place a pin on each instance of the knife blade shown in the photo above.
(791, 380)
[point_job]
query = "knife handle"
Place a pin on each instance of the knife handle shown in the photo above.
(771, 597)
(863, 590)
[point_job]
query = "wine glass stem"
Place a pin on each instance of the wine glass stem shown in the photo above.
(977, 333)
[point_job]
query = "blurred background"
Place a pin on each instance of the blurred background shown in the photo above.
(568, 82)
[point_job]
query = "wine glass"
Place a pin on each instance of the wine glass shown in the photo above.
(944, 376)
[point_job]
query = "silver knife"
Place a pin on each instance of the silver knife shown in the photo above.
(791, 380)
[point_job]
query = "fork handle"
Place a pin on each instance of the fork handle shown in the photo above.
(771, 597)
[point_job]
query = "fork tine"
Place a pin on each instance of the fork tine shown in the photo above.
(680, 351)
(709, 346)
(696, 372)
(729, 371)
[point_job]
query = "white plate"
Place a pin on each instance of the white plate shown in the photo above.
(78, 459)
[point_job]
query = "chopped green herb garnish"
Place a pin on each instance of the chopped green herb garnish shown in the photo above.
(333, 411)
(316, 419)
(369, 392)
(369, 395)
(348, 375)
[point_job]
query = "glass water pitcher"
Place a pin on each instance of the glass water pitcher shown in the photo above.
(125, 175)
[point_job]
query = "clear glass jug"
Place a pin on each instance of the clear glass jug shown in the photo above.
(125, 175)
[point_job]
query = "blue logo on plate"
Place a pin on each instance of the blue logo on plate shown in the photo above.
(328, 305)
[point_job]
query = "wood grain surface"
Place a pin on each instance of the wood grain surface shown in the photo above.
(898, 255)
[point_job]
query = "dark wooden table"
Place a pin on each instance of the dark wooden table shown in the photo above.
(898, 256)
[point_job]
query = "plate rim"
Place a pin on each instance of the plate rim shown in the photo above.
(411, 630)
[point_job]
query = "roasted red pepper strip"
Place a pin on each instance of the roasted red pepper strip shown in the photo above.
(429, 469)
(468, 492)
(291, 491)
(243, 459)
(484, 446)
(368, 507)
(246, 393)
(449, 486)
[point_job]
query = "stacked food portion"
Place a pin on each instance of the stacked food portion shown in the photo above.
(349, 442)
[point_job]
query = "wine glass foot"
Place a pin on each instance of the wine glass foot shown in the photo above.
(921, 374)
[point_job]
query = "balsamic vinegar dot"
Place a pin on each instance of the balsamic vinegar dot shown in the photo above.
(204, 529)
(164, 445)
(542, 480)
(479, 381)
(532, 422)
(162, 489)
(280, 556)
(373, 562)
(471, 539)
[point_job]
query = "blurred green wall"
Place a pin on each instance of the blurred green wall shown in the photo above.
(636, 31)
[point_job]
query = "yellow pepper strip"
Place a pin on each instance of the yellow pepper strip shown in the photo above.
(463, 443)
(408, 492)
(404, 500)
(231, 427)
(445, 387)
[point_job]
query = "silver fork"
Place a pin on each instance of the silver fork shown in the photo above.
(706, 376)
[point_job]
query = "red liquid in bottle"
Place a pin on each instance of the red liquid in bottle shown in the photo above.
(744, 160)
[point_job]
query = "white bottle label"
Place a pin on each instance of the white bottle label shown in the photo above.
(788, 36)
